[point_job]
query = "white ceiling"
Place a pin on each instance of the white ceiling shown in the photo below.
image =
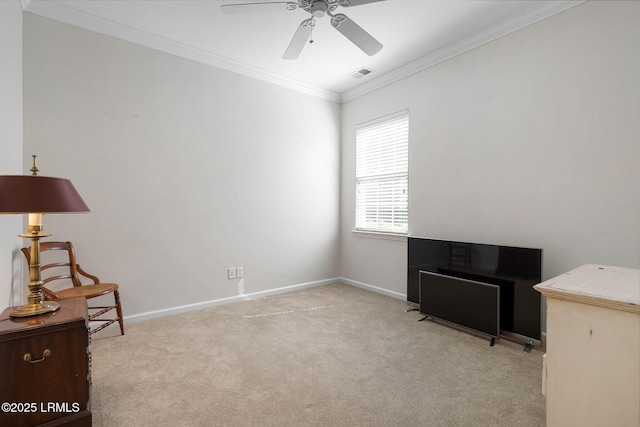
(415, 33)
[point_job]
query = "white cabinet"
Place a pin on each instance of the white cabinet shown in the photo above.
(592, 364)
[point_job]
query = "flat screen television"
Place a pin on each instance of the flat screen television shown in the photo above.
(464, 303)
(515, 270)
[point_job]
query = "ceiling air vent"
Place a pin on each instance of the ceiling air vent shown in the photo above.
(361, 72)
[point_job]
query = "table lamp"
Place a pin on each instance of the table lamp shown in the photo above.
(37, 195)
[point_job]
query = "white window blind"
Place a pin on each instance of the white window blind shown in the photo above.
(382, 174)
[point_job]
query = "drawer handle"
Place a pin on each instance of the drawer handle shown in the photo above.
(45, 354)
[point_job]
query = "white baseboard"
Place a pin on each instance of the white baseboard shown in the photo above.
(237, 298)
(372, 288)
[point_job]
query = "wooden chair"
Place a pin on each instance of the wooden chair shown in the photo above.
(66, 265)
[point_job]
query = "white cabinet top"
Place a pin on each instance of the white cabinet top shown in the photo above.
(601, 285)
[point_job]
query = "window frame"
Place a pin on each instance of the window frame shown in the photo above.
(391, 176)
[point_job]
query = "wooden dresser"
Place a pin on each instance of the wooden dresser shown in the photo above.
(591, 376)
(44, 368)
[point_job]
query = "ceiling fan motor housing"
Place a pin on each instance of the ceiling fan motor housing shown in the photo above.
(318, 8)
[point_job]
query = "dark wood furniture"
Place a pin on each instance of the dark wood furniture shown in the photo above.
(64, 268)
(44, 368)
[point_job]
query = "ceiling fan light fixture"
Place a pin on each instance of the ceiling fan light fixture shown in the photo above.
(318, 9)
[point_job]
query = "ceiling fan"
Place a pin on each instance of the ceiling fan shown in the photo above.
(317, 8)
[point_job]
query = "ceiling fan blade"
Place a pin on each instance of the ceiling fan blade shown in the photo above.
(303, 33)
(356, 34)
(349, 3)
(230, 9)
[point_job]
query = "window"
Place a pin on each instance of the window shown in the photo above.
(382, 174)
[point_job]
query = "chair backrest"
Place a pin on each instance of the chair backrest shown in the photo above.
(61, 267)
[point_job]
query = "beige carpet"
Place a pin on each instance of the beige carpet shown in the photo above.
(333, 355)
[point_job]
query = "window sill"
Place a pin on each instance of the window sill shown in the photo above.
(380, 235)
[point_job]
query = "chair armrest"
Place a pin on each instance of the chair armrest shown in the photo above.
(50, 295)
(85, 274)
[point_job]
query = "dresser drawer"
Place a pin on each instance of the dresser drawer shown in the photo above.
(44, 368)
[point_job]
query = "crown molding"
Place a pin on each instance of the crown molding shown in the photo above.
(59, 12)
(545, 10)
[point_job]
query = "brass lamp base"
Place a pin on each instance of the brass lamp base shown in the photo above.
(37, 304)
(34, 309)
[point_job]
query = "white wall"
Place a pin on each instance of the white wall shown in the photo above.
(10, 146)
(531, 140)
(187, 169)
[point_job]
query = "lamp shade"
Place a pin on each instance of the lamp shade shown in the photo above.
(21, 194)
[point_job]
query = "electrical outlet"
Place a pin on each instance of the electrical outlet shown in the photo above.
(239, 272)
(231, 273)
